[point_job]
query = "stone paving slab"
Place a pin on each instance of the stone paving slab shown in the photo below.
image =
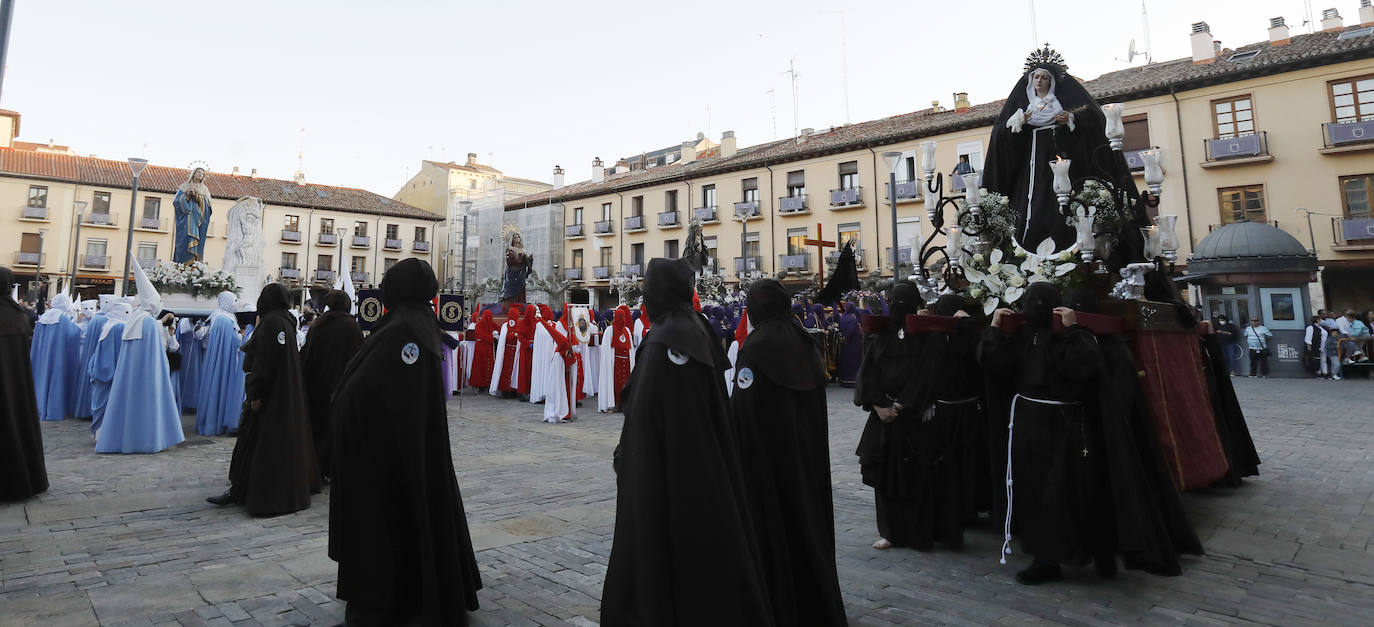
(129, 539)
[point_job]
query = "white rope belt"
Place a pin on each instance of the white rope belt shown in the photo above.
(1011, 425)
(962, 401)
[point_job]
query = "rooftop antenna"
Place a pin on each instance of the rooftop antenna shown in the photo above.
(772, 111)
(1145, 24)
(792, 70)
(1035, 37)
(708, 120)
(844, 61)
(1307, 15)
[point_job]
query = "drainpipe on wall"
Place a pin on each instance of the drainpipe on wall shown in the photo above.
(1187, 206)
(772, 234)
(878, 221)
(619, 231)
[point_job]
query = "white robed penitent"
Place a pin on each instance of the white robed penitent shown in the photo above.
(499, 362)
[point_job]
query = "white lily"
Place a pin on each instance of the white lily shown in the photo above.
(1013, 293)
(1064, 268)
(990, 305)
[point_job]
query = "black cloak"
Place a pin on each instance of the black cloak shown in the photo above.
(684, 551)
(961, 400)
(22, 471)
(780, 416)
(1007, 168)
(844, 279)
(333, 340)
(396, 521)
(273, 470)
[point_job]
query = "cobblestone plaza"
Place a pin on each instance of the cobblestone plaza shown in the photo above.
(129, 539)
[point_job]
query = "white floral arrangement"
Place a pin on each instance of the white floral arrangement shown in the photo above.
(1094, 194)
(997, 214)
(998, 279)
(193, 278)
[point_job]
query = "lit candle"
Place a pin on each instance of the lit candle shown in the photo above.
(1154, 175)
(953, 235)
(1084, 227)
(1150, 235)
(928, 158)
(1062, 185)
(1115, 130)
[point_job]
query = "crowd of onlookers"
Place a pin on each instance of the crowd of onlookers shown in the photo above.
(1331, 341)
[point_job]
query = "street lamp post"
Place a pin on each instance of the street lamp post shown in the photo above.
(38, 269)
(136, 166)
(893, 159)
(341, 232)
(463, 273)
(743, 213)
(80, 207)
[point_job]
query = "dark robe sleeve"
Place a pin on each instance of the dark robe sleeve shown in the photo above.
(868, 392)
(266, 357)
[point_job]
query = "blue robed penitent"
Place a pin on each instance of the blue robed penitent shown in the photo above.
(141, 415)
(221, 379)
(191, 355)
(56, 358)
(102, 369)
(88, 342)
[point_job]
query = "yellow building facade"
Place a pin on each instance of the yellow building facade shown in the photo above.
(1266, 132)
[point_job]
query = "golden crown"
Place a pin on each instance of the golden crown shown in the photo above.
(507, 230)
(1047, 58)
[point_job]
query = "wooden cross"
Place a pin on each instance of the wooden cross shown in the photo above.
(820, 245)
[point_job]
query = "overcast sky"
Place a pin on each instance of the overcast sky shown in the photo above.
(379, 86)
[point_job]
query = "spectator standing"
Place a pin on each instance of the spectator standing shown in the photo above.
(1229, 334)
(1331, 362)
(1313, 356)
(1257, 337)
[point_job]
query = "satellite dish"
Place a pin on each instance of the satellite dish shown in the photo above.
(1131, 53)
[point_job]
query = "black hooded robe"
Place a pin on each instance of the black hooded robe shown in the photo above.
(780, 416)
(22, 470)
(396, 522)
(684, 551)
(333, 340)
(1232, 430)
(960, 403)
(273, 470)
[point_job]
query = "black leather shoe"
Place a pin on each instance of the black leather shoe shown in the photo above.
(1040, 572)
(221, 500)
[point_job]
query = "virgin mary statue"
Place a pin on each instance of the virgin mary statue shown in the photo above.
(192, 204)
(1048, 115)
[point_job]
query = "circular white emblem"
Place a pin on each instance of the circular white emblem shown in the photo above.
(624, 337)
(281, 337)
(745, 378)
(409, 353)
(901, 334)
(676, 357)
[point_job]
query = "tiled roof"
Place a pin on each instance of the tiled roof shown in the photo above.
(517, 179)
(478, 168)
(35, 146)
(1302, 51)
(156, 178)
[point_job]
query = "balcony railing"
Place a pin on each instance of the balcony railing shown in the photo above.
(705, 214)
(289, 236)
(574, 230)
(634, 223)
(910, 190)
(359, 277)
(792, 204)
(99, 262)
(34, 213)
(324, 275)
(1231, 148)
(1340, 135)
(328, 239)
(148, 262)
(290, 273)
(572, 274)
(748, 208)
(753, 264)
(393, 244)
(419, 246)
(668, 218)
(903, 254)
(602, 227)
(851, 197)
(150, 224)
(957, 182)
(362, 241)
(794, 262)
(101, 219)
(1352, 231)
(632, 268)
(834, 257)
(601, 272)
(23, 258)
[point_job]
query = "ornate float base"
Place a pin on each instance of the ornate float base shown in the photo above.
(185, 304)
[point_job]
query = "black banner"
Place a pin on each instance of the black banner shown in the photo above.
(369, 308)
(451, 312)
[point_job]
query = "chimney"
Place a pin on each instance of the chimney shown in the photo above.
(961, 104)
(472, 158)
(253, 174)
(300, 177)
(235, 172)
(557, 177)
(1278, 31)
(1331, 20)
(935, 106)
(621, 166)
(598, 171)
(689, 151)
(1366, 13)
(728, 147)
(1204, 51)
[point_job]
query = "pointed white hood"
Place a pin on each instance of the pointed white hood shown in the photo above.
(149, 302)
(118, 312)
(56, 309)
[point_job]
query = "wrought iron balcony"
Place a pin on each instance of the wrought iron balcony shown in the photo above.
(753, 264)
(958, 181)
(290, 237)
(1347, 134)
(147, 262)
(903, 254)
(794, 262)
(34, 213)
(572, 274)
(748, 208)
(419, 246)
(601, 272)
(602, 227)
(100, 219)
(1133, 160)
(910, 190)
(1354, 232)
(705, 214)
(324, 275)
(634, 223)
(150, 224)
(850, 197)
(792, 204)
(834, 257)
(359, 277)
(23, 258)
(574, 230)
(328, 239)
(1235, 150)
(668, 218)
(97, 262)
(393, 244)
(632, 268)
(362, 241)
(290, 273)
